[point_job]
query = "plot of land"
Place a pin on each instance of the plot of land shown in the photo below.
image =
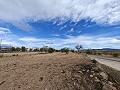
(55, 71)
(36, 72)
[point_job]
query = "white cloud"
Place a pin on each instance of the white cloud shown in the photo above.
(56, 35)
(71, 30)
(100, 11)
(71, 41)
(32, 39)
(4, 31)
(88, 41)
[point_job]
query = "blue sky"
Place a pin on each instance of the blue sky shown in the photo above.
(62, 23)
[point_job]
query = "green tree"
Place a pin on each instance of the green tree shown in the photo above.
(23, 49)
(18, 49)
(36, 50)
(66, 50)
(30, 50)
(51, 50)
(13, 49)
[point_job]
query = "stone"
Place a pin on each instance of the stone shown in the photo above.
(41, 79)
(87, 70)
(94, 61)
(104, 75)
(98, 86)
(98, 76)
(91, 76)
(62, 71)
(96, 69)
(110, 83)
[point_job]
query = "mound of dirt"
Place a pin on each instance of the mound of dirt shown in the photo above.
(55, 71)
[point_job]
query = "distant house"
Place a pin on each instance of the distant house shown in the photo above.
(5, 48)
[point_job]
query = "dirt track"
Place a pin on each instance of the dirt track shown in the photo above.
(55, 71)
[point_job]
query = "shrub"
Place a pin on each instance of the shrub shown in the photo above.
(95, 53)
(72, 51)
(15, 55)
(99, 53)
(88, 51)
(1, 55)
(66, 50)
(115, 55)
(51, 50)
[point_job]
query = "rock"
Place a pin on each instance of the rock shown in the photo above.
(104, 75)
(62, 71)
(2, 82)
(91, 76)
(94, 61)
(41, 79)
(98, 86)
(109, 87)
(98, 76)
(87, 70)
(96, 69)
(80, 72)
(92, 71)
(110, 83)
(18, 86)
(74, 83)
(83, 70)
(96, 79)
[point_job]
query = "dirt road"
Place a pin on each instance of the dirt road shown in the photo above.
(112, 62)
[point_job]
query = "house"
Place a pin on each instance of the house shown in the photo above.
(5, 48)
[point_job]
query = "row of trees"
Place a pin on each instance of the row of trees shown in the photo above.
(23, 49)
(46, 49)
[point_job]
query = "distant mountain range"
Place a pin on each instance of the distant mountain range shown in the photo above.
(107, 49)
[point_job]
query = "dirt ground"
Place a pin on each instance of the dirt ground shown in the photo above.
(55, 71)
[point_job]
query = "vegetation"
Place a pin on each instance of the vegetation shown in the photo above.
(23, 49)
(65, 50)
(115, 54)
(88, 51)
(79, 47)
(1, 55)
(51, 50)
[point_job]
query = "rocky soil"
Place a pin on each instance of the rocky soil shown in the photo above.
(55, 71)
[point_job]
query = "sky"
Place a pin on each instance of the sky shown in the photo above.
(60, 23)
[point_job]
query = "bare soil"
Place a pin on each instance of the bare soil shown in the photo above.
(55, 71)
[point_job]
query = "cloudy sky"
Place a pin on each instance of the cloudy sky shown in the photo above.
(63, 23)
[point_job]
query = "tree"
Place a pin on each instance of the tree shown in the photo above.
(72, 50)
(51, 50)
(66, 50)
(36, 50)
(41, 49)
(23, 49)
(30, 50)
(78, 47)
(18, 49)
(44, 49)
(13, 49)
